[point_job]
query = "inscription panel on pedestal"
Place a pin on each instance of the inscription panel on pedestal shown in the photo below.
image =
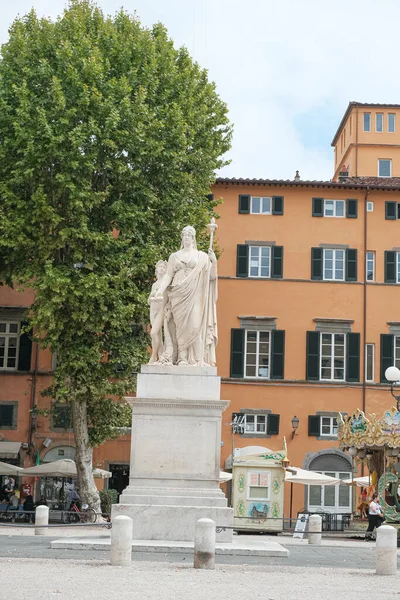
(175, 447)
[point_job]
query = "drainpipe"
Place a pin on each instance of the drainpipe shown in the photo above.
(33, 395)
(356, 140)
(364, 335)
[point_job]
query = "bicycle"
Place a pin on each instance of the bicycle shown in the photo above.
(76, 515)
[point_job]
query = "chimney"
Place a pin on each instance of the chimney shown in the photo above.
(343, 173)
(297, 176)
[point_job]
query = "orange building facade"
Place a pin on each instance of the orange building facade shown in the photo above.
(308, 318)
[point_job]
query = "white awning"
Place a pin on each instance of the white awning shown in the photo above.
(297, 475)
(9, 449)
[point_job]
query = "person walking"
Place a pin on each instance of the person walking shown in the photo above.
(375, 516)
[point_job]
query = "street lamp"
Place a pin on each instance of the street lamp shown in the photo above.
(392, 374)
(295, 425)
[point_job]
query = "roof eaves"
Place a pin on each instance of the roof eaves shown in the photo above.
(304, 184)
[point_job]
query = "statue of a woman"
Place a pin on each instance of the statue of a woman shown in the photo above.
(189, 292)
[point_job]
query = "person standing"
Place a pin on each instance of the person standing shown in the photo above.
(375, 516)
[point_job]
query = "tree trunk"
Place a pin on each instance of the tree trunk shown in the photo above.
(83, 457)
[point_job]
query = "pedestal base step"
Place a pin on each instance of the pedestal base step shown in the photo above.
(238, 547)
(162, 522)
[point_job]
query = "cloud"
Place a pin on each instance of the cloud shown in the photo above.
(287, 70)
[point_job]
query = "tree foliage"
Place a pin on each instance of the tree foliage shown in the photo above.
(109, 140)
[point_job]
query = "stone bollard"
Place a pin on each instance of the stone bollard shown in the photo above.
(41, 518)
(204, 544)
(314, 530)
(386, 550)
(121, 541)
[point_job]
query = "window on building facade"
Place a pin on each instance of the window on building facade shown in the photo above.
(367, 121)
(256, 424)
(61, 417)
(379, 122)
(370, 266)
(334, 208)
(331, 497)
(391, 122)
(261, 205)
(397, 351)
(397, 267)
(384, 167)
(257, 354)
(328, 426)
(369, 362)
(258, 485)
(259, 261)
(332, 357)
(370, 207)
(7, 415)
(333, 264)
(9, 345)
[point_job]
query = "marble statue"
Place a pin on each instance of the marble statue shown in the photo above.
(183, 302)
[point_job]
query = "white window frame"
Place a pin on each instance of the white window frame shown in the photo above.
(332, 356)
(335, 207)
(327, 507)
(379, 114)
(268, 487)
(369, 122)
(257, 365)
(333, 424)
(261, 212)
(334, 259)
(397, 267)
(379, 164)
(370, 206)
(372, 346)
(260, 251)
(7, 335)
(394, 122)
(396, 342)
(370, 265)
(257, 422)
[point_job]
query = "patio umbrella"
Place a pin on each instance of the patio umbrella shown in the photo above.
(60, 468)
(11, 470)
(297, 475)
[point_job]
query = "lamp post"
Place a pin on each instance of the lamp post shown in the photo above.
(392, 374)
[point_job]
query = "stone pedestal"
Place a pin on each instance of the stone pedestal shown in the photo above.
(175, 454)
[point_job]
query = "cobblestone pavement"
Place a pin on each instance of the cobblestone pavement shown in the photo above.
(97, 580)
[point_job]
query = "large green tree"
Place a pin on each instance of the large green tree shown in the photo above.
(109, 141)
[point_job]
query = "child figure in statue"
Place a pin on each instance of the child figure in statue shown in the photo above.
(156, 305)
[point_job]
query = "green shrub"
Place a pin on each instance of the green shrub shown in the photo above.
(108, 497)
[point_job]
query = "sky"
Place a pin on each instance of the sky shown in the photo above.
(287, 70)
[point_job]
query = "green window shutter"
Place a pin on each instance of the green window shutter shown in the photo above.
(244, 204)
(316, 263)
(242, 262)
(351, 264)
(387, 354)
(277, 205)
(351, 208)
(317, 207)
(25, 351)
(273, 424)
(312, 351)
(314, 425)
(210, 197)
(237, 352)
(390, 266)
(277, 354)
(277, 262)
(390, 210)
(353, 357)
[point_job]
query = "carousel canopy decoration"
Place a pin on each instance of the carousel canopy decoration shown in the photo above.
(357, 431)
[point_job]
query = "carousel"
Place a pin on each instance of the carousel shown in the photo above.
(374, 440)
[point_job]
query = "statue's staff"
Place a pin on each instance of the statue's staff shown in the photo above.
(212, 226)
